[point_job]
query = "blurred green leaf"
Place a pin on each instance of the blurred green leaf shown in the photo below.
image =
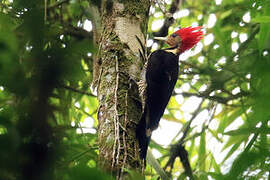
(86, 173)
(215, 164)
(262, 19)
(202, 152)
(232, 150)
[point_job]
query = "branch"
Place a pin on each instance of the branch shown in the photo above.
(169, 20)
(222, 100)
(178, 150)
(86, 113)
(196, 112)
(93, 13)
(58, 3)
(153, 162)
(212, 113)
(78, 156)
(77, 32)
(77, 90)
(190, 65)
(244, 45)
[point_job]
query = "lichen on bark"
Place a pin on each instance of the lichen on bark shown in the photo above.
(118, 95)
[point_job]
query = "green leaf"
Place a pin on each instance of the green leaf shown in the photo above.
(240, 131)
(215, 134)
(232, 150)
(83, 172)
(261, 19)
(202, 152)
(214, 163)
(263, 35)
(75, 9)
(216, 175)
(264, 28)
(226, 14)
(227, 117)
(234, 140)
(243, 162)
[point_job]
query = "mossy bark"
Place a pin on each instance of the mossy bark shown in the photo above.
(118, 95)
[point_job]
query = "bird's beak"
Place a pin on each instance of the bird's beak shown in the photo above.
(160, 38)
(173, 42)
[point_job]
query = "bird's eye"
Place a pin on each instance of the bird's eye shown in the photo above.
(174, 35)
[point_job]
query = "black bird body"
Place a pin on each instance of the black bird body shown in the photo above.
(161, 76)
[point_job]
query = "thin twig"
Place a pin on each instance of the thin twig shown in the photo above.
(77, 90)
(169, 20)
(178, 148)
(222, 100)
(58, 3)
(153, 162)
(196, 112)
(244, 45)
(45, 10)
(77, 156)
(77, 32)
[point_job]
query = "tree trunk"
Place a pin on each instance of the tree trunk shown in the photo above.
(120, 66)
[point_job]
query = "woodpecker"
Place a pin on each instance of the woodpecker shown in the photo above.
(161, 76)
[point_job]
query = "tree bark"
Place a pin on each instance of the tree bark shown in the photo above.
(120, 66)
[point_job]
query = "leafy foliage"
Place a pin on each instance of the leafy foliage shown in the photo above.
(46, 73)
(221, 98)
(228, 73)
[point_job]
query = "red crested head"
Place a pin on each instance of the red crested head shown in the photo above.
(189, 37)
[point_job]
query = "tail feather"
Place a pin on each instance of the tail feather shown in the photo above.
(142, 137)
